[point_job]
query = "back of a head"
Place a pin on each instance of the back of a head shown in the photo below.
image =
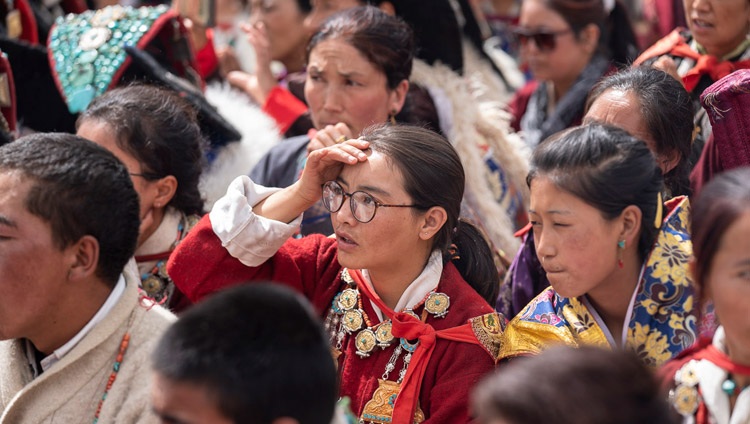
(159, 129)
(79, 189)
(586, 385)
(667, 110)
(259, 350)
(385, 41)
(605, 167)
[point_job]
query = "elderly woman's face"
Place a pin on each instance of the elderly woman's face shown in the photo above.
(343, 86)
(622, 109)
(718, 25)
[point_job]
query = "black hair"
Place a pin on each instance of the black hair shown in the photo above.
(564, 384)
(607, 168)
(260, 352)
(161, 131)
(305, 6)
(386, 41)
(667, 110)
(720, 203)
(427, 161)
(617, 37)
(80, 189)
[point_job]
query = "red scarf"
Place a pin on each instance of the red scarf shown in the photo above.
(705, 64)
(410, 328)
(723, 361)
(675, 45)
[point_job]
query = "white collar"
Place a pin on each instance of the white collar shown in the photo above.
(418, 290)
(58, 354)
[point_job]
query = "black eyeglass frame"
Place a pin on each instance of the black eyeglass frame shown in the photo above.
(344, 195)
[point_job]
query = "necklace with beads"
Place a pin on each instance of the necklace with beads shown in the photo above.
(347, 316)
(156, 282)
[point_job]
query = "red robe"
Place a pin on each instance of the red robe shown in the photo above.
(200, 266)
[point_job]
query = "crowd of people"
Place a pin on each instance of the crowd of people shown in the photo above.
(440, 211)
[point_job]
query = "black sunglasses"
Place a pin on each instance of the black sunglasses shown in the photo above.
(545, 40)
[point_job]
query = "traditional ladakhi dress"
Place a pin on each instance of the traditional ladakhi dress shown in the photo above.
(662, 320)
(697, 380)
(417, 364)
(105, 376)
(152, 256)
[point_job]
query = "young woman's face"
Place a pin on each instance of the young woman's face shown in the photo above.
(284, 22)
(728, 285)
(562, 62)
(718, 25)
(343, 86)
(102, 134)
(576, 246)
(392, 237)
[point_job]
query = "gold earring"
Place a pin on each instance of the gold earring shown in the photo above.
(392, 117)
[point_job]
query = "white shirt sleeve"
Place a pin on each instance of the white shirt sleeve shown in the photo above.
(248, 237)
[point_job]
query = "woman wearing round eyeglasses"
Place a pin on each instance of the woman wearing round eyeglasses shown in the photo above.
(398, 284)
(567, 49)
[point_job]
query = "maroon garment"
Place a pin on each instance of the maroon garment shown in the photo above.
(727, 103)
(520, 101)
(201, 265)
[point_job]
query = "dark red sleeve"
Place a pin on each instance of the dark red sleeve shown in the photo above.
(519, 102)
(709, 164)
(461, 367)
(284, 107)
(201, 265)
(206, 58)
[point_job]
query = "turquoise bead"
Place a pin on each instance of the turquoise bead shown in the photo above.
(728, 386)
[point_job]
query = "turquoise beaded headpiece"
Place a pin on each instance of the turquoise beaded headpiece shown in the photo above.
(87, 51)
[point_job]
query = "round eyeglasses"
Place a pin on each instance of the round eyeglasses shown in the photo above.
(362, 204)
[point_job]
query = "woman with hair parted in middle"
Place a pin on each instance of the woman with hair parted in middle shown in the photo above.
(710, 383)
(648, 104)
(615, 255)
(398, 284)
(156, 135)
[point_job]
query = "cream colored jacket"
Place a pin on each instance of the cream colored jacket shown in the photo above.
(70, 390)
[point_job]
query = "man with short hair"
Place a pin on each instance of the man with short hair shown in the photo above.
(76, 334)
(252, 354)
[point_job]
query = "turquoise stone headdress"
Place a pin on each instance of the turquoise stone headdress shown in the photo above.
(87, 51)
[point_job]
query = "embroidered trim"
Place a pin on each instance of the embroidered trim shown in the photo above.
(87, 50)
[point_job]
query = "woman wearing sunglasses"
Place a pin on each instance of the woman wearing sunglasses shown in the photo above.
(393, 285)
(566, 45)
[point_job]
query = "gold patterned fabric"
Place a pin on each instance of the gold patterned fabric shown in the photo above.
(664, 317)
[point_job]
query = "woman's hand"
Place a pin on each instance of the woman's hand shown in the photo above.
(228, 61)
(260, 84)
(325, 165)
(329, 136)
(666, 64)
(322, 165)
